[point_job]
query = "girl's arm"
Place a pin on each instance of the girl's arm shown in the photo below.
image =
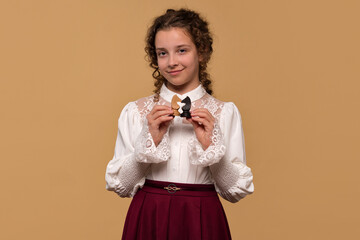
(124, 175)
(233, 179)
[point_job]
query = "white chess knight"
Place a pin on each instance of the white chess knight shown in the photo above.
(180, 110)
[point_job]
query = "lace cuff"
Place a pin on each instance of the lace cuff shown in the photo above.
(123, 191)
(147, 152)
(212, 154)
(242, 187)
(125, 176)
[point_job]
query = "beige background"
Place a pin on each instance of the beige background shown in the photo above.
(68, 68)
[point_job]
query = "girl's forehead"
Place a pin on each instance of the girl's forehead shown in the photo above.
(172, 36)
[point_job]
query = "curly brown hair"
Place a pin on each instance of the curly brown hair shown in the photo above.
(199, 33)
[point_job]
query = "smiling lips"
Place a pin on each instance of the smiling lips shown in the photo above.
(174, 73)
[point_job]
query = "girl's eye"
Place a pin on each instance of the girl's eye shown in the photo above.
(182, 50)
(161, 54)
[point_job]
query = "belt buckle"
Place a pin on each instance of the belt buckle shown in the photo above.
(172, 188)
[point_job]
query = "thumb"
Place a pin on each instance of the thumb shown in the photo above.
(194, 123)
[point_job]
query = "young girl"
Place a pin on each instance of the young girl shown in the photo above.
(174, 166)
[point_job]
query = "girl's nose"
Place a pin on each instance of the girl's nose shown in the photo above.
(172, 60)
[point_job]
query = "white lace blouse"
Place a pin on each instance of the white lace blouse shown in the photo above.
(179, 157)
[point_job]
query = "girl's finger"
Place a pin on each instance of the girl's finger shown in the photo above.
(163, 119)
(161, 113)
(203, 121)
(195, 124)
(157, 108)
(203, 110)
(158, 111)
(202, 114)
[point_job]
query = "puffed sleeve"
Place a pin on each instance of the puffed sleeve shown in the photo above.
(233, 179)
(124, 175)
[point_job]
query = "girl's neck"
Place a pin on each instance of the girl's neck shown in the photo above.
(182, 89)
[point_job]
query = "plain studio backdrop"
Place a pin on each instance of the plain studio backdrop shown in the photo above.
(69, 67)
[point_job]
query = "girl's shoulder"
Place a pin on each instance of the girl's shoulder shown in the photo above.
(219, 109)
(144, 102)
(143, 105)
(214, 105)
(137, 109)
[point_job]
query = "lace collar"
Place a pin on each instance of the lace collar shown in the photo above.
(194, 94)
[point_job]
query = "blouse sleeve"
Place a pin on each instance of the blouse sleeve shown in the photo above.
(212, 154)
(233, 179)
(145, 149)
(124, 175)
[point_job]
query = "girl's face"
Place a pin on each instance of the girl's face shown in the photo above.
(178, 59)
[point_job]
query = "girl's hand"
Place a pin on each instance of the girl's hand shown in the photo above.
(158, 122)
(203, 123)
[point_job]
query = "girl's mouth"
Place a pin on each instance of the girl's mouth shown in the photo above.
(174, 73)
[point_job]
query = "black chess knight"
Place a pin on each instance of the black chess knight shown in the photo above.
(186, 108)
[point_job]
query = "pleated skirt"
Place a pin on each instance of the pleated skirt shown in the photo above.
(193, 212)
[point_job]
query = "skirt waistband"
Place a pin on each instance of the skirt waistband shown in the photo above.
(172, 187)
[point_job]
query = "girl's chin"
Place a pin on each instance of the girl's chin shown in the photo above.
(177, 85)
(181, 87)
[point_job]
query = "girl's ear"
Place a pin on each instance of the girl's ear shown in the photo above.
(201, 58)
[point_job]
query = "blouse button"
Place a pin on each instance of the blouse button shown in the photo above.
(148, 143)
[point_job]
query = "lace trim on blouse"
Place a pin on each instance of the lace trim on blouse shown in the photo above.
(147, 152)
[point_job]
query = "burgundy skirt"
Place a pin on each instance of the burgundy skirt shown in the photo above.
(167, 210)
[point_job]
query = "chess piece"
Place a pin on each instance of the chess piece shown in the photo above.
(186, 108)
(174, 105)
